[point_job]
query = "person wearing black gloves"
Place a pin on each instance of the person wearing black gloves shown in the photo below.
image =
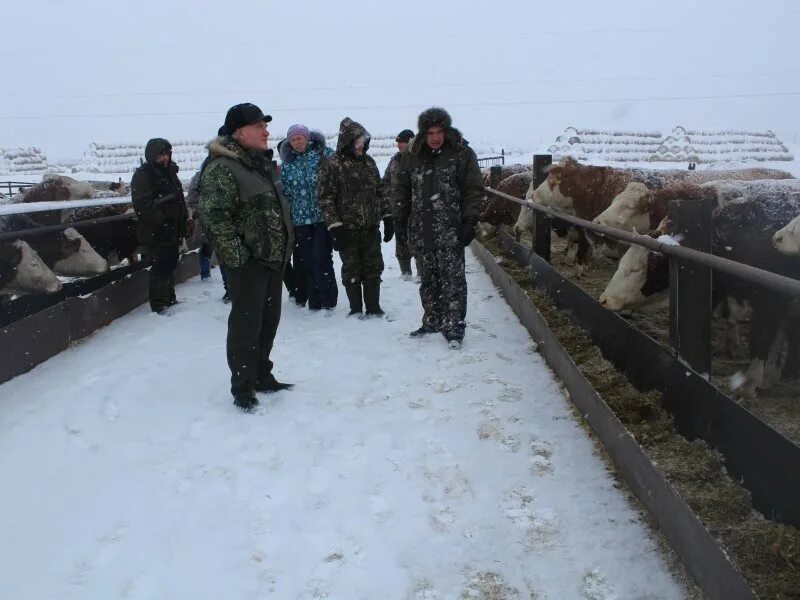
(350, 196)
(163, 219)
(437, 196)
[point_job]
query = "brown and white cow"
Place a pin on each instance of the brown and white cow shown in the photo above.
(66, 252)
(787, 239)
(586, 191)
(114, 240)
(742, 231)
(640, 208)
(56, 187)
(22, 271)
(501, 211)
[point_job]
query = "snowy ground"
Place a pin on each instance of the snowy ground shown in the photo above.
(397, 468)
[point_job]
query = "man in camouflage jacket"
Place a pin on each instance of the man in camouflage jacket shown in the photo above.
(162, 219)
(437, 194)
(352, 202)
(247, 218)
(401, 249)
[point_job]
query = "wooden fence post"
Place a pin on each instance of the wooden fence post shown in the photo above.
(495, 173)
(690, 286)
(541, 235)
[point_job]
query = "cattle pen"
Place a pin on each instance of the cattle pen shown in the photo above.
(758, 457)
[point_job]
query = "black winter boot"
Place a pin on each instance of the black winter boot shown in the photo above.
(372, 296)
(245, 399)
(354, 296)
(405, 268)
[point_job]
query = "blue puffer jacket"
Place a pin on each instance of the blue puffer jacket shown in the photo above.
(299, 178)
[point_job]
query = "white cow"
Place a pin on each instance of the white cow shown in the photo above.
(787, 239)
(22, 271)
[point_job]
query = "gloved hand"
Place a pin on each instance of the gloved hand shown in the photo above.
(190, 228)
(388, 228)
(468, 226)
(340, 237)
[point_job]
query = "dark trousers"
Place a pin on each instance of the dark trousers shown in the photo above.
(361, 258)
(161, 288)
(255, 293)
(315, 251)
(443, 290)
(294, 278)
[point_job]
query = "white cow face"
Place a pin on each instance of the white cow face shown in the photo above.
(33, 276)
(81, 260)
(629, 210)
(548, 194)
(625, 288)
(787, 240)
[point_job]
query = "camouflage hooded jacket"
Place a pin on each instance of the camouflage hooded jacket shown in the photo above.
(389, 176)
(349, 187)
(435, 192)
(243, 208)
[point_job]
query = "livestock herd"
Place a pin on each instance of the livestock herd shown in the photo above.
(65, 242)
(754, 221)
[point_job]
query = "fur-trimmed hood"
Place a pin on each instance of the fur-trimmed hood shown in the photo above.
(287, 154)
(226, 146)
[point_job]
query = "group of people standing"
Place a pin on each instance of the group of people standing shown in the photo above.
(256, 218)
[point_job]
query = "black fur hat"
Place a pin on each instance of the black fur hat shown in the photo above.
(434, 117)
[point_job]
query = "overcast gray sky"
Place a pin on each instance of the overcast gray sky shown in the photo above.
(515, 72)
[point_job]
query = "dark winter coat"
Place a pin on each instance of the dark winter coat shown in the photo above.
(435, 192)
(299, 175)
(349, 188)
(243, 209)
(157, 196)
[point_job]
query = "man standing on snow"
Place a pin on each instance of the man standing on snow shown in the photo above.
(162, 218)
(438, 193)
(352, 202)
(247, 218)
(401, 250)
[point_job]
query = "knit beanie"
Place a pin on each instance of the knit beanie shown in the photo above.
(298, 130)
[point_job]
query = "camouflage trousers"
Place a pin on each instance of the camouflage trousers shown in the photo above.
(401, 249)
(443, 290)
(361, 258)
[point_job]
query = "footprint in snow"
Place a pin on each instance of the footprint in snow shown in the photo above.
(488, 585)
(540, 455)
(491, 429)
(540, 526)
(595, 587)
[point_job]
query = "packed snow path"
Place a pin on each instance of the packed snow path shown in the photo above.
(396, 468)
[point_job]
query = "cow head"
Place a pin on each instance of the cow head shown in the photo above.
(629, 210)
(24, 271)
(787, 240)
(77, 257)
(640, 280)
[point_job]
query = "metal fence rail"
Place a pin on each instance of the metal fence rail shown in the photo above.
(493, 160)
(773, 281)
(11, 185)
